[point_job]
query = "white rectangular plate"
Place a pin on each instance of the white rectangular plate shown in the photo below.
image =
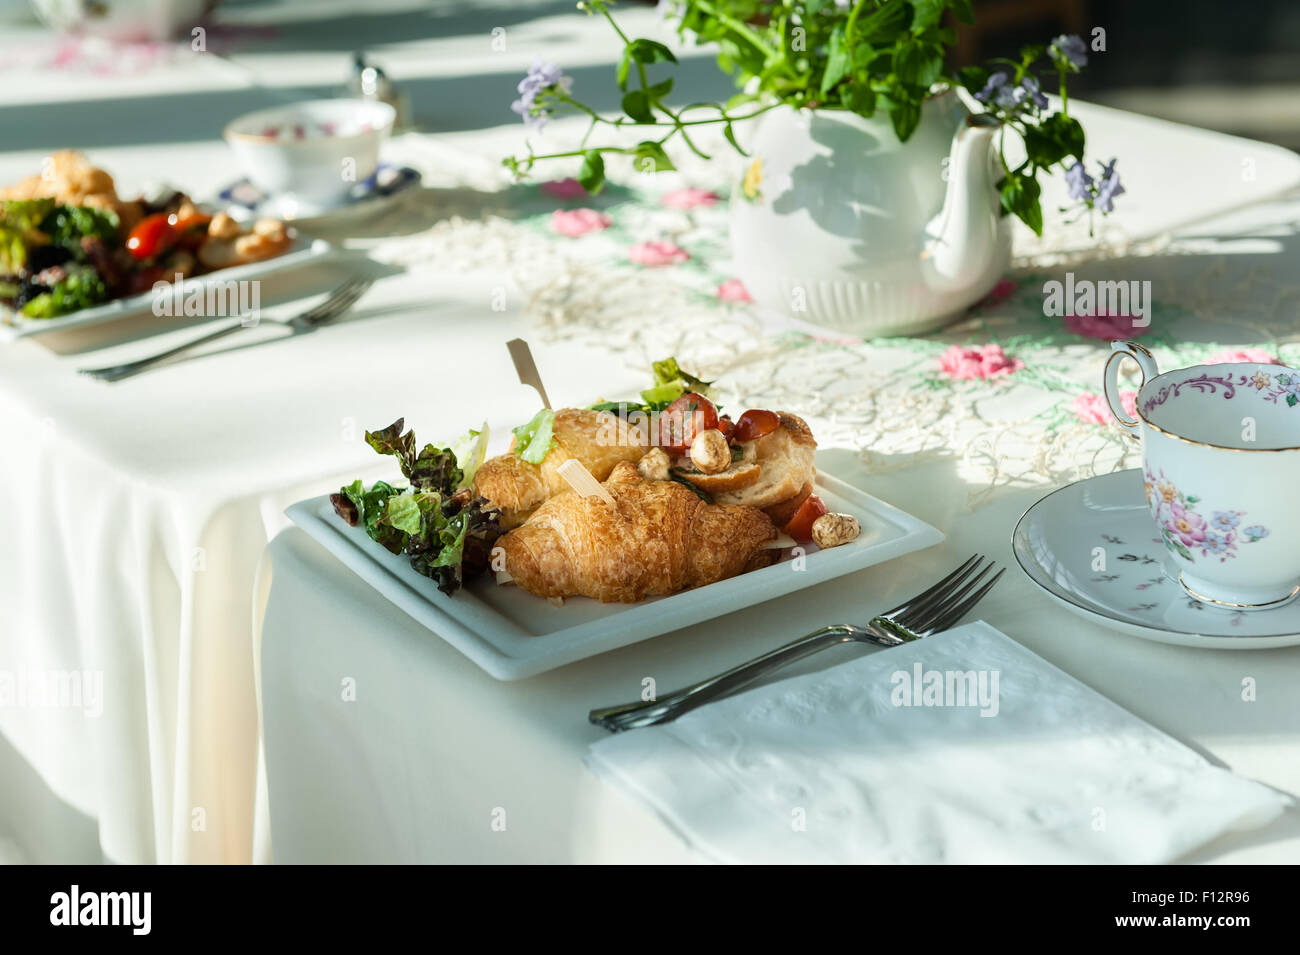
(512, 634)
(13, 325)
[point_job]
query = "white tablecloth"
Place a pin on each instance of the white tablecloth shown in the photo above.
(133, 546)
(433, 752)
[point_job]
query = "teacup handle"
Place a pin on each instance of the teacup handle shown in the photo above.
(1110, 377)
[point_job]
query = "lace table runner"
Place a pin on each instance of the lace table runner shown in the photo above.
(1010, 393)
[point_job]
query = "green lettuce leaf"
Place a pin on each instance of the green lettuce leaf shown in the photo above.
(20, 221)
(371, 506)
(534, 440)
(466, 542)
(433, 469)
(25, 214)
(447, 536)
(470, 451)
(668, 371)
(671, 383)
(392, 440)
(407, 512)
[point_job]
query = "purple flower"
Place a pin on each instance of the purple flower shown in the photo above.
(541, 77)
(996, 84)
(1109, 187)
(1029, 90)
(1080, 183)
(1070, 50)
(1009, 97)
(1214, 544)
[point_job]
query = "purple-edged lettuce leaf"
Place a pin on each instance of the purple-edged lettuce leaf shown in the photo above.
(440, 526)
(433, 469)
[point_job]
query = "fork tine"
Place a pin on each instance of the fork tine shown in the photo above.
(350, 299)
(921, 619)
(330, 300)
(916, 609)
(934, 589)
(956, 613)
(327, 307)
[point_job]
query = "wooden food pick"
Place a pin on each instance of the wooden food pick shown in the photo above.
(583, 481)
(526, 368)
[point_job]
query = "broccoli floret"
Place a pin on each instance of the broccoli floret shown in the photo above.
(67, 225)
(81, 288)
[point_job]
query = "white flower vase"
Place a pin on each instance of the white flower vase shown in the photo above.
(838, 223)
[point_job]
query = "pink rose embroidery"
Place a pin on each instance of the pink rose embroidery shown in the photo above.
(1107, 328)
(576, 222)
(657, 253)
(1091, 408)
(564, 188)
(689, 198)
(733, 290)
(984, 362)
(1257, 355)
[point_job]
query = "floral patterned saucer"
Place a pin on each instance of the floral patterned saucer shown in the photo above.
(368, 198)
(1093, 547)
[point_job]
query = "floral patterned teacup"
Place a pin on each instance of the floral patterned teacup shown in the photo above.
(312, 153)
(1221, 455)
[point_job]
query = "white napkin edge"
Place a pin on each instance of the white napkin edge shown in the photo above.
(632, 788)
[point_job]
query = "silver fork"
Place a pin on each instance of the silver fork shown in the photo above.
(338, 302)
(930, 611)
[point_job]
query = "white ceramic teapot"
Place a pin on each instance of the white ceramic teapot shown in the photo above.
(838, 223)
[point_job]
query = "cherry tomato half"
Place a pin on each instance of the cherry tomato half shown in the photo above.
(151, 237)
(191, 230)
(189, 222)
(800, 526)
(755, 423)
(682, 420)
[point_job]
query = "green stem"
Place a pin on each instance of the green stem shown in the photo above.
(737, 26)
(617, 29)
(852, 22)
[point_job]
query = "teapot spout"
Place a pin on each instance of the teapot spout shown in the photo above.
(961, 242)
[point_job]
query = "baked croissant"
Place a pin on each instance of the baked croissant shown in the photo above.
(658, 539)
(599, 439)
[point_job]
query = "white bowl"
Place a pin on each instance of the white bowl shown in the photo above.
(312, 153)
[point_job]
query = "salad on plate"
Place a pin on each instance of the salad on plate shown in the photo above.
(68, 241)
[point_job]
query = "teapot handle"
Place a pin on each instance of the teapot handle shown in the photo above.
(1110, 378)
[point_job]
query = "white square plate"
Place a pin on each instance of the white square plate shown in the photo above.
(512, 634)
(13, 325)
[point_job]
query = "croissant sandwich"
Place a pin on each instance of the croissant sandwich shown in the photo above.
(658, 539)
(598, 439)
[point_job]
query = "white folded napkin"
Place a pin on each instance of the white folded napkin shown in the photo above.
(831, 767)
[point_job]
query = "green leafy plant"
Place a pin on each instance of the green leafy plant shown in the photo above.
(863, 56)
